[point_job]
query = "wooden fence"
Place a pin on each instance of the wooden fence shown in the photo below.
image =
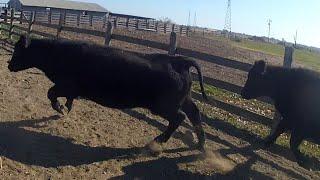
(172, 48)
(95, 22)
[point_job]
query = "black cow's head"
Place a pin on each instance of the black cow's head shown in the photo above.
(256, 82)
(19, 60)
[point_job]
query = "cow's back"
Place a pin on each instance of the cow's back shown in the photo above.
(113, 77)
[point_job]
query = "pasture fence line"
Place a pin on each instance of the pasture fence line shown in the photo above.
(172, 48)
(96, 22)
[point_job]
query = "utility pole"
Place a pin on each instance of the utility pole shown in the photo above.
(295, 39)
(189, 19)
(195, 19)
(269, 25)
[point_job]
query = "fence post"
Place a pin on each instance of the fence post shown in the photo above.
(11, 24)
(188, 31)
(104, 22)
(288, 57)
(78, 19)
(173, 27)
(107, 40)
(173, 44)
(60, 25)
(21, 17)
(49, 16)
(147, 24)
(6, 15)
(115, 22)
(91, 20)
(127, 23)
(30, 24)
(137, 23)
(165, 28)
(157, 26)
(35, 15)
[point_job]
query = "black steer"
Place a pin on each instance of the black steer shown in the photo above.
(115, 79)
(296, 94)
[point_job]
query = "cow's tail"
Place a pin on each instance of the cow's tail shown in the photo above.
(200, 77)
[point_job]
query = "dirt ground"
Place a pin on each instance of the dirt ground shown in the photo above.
(94, 142)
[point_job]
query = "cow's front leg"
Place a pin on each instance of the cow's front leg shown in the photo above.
(280, 126)
(295, 141)
(53, 94)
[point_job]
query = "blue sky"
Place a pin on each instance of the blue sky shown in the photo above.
(248, 16)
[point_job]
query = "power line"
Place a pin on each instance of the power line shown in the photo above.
(269, 29)
(227, 25)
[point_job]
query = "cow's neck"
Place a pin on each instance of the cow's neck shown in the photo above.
(41, 60)
(276, 78)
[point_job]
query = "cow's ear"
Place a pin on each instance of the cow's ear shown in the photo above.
(260, 67)
(23, 43)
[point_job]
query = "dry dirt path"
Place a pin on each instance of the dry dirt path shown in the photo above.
(95, 142)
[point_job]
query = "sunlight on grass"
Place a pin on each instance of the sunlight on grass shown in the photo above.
(307, 58)
(303, 56)
(268, 48)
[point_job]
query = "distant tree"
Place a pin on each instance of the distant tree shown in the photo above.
(166, 20)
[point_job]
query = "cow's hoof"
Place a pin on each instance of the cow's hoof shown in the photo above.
(59, 108)
(69, 108)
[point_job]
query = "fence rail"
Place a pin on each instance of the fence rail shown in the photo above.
(96, 22)
(171, 48)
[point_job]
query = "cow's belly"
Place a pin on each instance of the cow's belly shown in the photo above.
(116, 103)
(125, 92)
(119, 99)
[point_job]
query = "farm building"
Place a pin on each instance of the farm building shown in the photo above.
(125, 16)
(59, 6)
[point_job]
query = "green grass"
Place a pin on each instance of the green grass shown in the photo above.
(303, 56)
(267, 48)
(309, 59)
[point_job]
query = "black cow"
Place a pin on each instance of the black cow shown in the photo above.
(296, 94)
(114, 78)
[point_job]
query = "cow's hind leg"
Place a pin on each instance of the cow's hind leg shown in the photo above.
(193, 113)
(175, 119)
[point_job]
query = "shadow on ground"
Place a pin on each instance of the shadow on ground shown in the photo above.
(167, 168)
(41, 149)
(6, 45)
(35, 148)
(248, 151)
